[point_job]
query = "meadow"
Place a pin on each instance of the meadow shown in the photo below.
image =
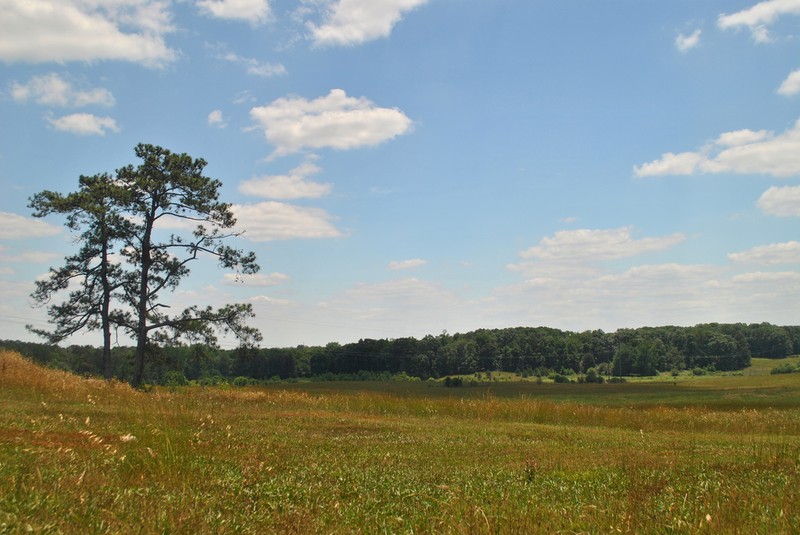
(715, 454)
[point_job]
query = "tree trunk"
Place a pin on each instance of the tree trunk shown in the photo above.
(108, 368)
(141, 311)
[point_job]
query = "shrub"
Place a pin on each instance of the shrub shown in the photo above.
(787, 367)
(451, 382)
(593, 377)
(243, 381)
(212, 380)
(558, 378)
(175, 378)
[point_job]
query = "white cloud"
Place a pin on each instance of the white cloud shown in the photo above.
(215, 118)
(53, 90)
(597, 245)
(40, 31)
(778, 280)
(253, 66)
(781, 201)
(684, 43)
(269, 221)
(759, 16)
(252, 11)
(336, 121)
(256, 279)
(84, 124)
(772, 254)
(264, 70)
(741, 137)
(656, 280)
(292, 186)
(34, 257)
(742, 152)
(683, 163)
(791, 86)
(350, 22)
(406, 264)
(14, 226)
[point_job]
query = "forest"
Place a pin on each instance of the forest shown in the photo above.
(528, 351)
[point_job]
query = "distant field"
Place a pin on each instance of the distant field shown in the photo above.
(712, 454)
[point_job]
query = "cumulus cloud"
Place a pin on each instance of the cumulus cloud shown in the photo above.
(772, 254)
(351, 22)
(335, 120)
(597, 245)
(85, 124)
(40, 31)
(252, 11)
(294, 185)
(53, 90)
(781, 201)
(758, 17)
(684, 43)
(396, 265)
(738, 138)
(741, 152)
(256, 279)
(270, 221)
(14, 226)
(791, 86)
(215, 118)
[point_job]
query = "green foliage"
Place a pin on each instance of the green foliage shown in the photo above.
(244, 381)
(453, 382)
(593, 377)
(175, 378)
(787, 367)
(120, 213)
(528, 352)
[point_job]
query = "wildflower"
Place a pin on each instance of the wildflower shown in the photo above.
(127, 438)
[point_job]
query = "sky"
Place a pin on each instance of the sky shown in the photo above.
(408, 167)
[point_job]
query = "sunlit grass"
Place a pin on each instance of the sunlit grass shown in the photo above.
(711, 455)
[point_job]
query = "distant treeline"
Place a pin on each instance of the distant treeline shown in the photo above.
(525, 350)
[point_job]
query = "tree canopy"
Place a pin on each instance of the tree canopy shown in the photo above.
(130, 214)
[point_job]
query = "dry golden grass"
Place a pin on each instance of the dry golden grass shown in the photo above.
(16, 372)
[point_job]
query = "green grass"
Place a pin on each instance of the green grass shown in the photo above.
(717, 454)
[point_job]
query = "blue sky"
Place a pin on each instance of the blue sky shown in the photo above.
(404, 167)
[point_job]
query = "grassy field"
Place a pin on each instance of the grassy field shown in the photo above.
(716, 454)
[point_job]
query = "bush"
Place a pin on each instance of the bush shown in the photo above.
(175, 378)
(212, 380)
(558, 378)
(593, 377)
(243, 381)
(451, 382)
(787, 367)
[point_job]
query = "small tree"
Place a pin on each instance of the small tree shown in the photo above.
(93, 277)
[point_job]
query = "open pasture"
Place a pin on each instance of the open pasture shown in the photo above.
(695, 455)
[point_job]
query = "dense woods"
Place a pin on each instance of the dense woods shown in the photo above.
(524, 350)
